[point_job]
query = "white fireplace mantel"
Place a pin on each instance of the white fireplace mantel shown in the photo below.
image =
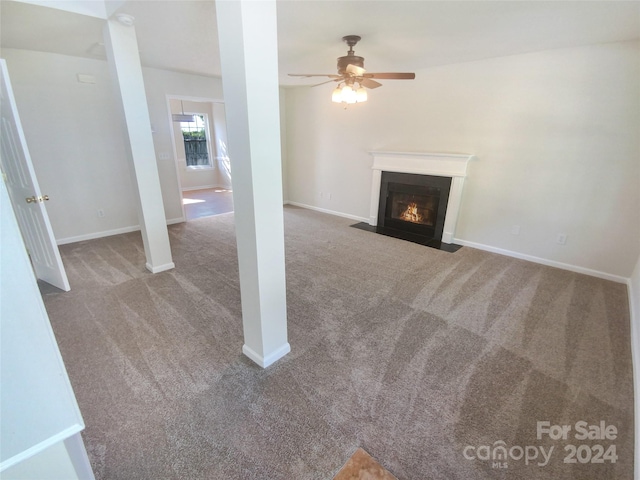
(438, 164)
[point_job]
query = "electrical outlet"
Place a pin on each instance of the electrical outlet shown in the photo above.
(562, 238)
(100, 213)
(321, 195)
(515, 230)
(329, 195)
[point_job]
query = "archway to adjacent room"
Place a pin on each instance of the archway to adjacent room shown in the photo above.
(199, 136)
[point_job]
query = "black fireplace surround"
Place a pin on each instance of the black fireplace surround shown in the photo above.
(413, 207)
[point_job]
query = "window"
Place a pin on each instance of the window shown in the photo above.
(195, 135)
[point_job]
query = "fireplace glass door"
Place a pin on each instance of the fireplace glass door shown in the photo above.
(416, 208)
(413, 204)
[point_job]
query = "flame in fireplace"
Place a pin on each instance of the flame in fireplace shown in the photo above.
(411, 213)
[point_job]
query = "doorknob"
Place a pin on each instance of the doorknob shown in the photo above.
(43, 198)
(31, 199)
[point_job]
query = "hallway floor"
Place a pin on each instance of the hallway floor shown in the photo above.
(207, 202)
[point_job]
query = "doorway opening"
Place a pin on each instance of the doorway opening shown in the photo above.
(200, 151)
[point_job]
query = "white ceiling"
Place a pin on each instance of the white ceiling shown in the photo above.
(396, 35)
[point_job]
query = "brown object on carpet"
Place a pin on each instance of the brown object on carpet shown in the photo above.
(431, 361)
(362, 466)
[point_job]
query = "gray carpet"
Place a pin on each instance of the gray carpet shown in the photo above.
(416, 355)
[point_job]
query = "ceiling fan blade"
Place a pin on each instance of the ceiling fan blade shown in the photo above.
(368, 83)
(328, 81)
(391, 76)
(314, 75)
(355, 70)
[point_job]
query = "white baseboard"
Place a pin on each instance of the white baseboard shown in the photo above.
(108, 233)
(205, 187)
(330, 212)
(160, 268)
(94, 235)
(264, 362)
(201, 187)
(542, 261)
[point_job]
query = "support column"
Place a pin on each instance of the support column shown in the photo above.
(124, 62)
(249, 58)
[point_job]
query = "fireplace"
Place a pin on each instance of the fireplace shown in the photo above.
(413, 207)
(431, 181)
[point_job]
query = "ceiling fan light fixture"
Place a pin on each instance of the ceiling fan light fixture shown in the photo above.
(348, 94)
(336, 96)
(351, 71)
(345, 93)
(361, 94)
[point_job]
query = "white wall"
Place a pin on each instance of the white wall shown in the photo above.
(555, 134)
(283, 142)
(77, 141)
(223, 162)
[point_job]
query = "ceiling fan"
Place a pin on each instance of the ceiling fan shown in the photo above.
(351, 71)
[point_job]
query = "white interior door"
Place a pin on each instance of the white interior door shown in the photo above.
(27, 199)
